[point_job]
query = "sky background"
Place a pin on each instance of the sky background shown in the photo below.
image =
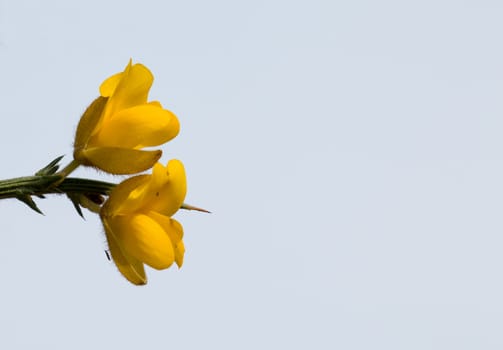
(350, 152)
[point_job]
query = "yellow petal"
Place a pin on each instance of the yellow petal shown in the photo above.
(143, 238)
(126, 198)
(180, 247)
(179, 253)
(132, 269)
(107, 88)
(172, 227)
(175, 232)
(118, 161)
(137, 127)
(131, 88)
(155, 103)
(88, 122)
(170, 190)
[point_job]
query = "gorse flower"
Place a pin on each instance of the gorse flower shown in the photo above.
(118, 124)
(138, 224)
(137, 213)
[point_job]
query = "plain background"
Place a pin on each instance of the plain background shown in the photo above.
(350, 152)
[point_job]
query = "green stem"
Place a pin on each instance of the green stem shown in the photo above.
(67, 170)
(27, 185)
(48, 184)
(73, 184)
(85, 190)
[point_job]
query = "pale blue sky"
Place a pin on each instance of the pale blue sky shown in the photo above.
(351, 153)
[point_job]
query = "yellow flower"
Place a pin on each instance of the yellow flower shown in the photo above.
(138, 224)
(119, 123)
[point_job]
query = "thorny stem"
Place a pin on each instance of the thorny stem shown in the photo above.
(55, 184)
(48, 184)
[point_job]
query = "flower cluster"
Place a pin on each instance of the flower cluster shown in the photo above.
(111, 136)
(116, 135)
